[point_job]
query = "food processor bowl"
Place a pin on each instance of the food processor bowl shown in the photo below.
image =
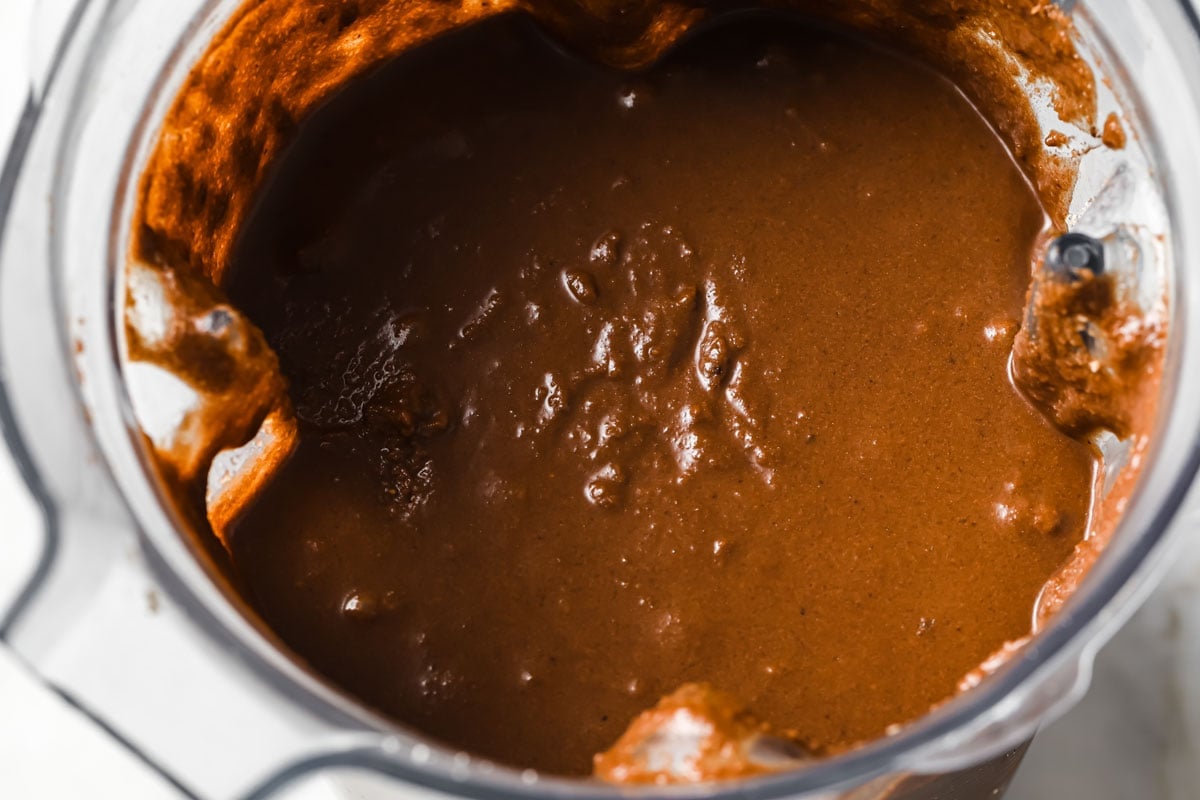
(126, 616)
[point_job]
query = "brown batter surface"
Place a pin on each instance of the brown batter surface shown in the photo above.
(607, 384)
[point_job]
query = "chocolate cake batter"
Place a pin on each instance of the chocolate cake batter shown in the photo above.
(608, 382)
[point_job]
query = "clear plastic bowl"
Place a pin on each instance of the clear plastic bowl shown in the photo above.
(122, 615)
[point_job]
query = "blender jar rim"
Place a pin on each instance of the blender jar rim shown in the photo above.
(878, 757)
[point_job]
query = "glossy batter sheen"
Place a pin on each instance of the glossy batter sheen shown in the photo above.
(608, 384)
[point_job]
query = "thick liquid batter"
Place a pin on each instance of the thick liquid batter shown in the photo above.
(611, 383)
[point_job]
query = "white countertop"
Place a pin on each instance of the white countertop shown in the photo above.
(1135, 736)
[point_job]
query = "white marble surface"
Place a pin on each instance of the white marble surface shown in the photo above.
(1136, 736)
